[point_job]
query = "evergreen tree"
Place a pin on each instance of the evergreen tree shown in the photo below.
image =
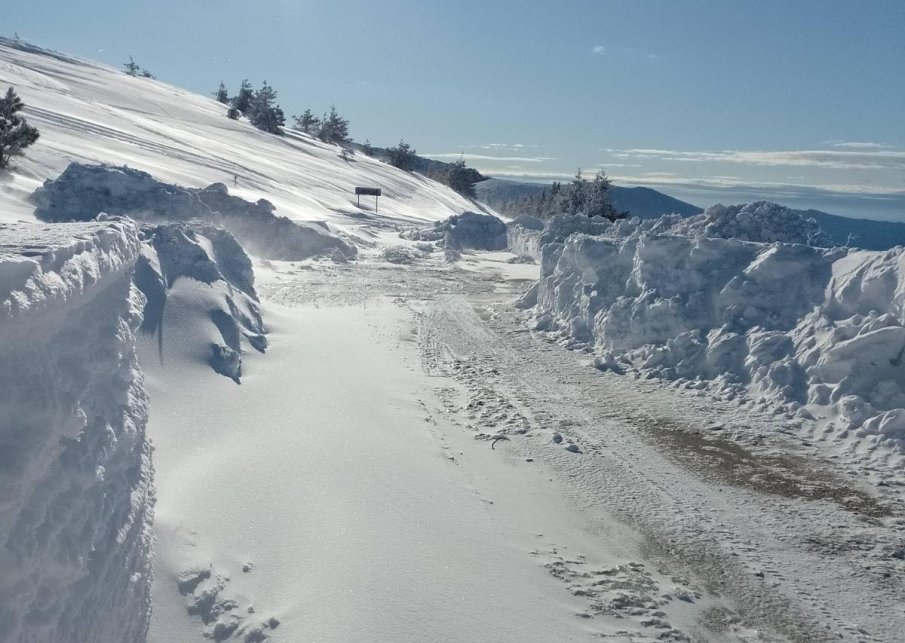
(462, 179)
(590, 198)
(221, 94)
(131, 68)
(333, 128)
(402, 156)
(263, 112)
(597, 198)
(15, 133)
(367, 149)
(233, 113)
(307, 122)
(242, 100)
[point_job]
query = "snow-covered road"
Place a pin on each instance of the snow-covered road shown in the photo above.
(369, 505)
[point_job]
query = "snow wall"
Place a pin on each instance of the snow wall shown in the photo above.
(75, 471)
(81, 192)
(811, 332)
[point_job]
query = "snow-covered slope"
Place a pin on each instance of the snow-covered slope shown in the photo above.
(75, 471)
(96, 114)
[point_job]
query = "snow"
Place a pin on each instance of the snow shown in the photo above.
(92, 113)
(409, 461)
(809, 331)
(83, 191)
(176, 259)
(75, 470)
(468, 230)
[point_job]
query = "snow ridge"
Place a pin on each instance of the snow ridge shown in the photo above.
(83, 191)
(77, 499)
(812, 332)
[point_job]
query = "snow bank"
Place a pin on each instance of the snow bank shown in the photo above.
(83, 191)
(468, 230)
(209, 255)
(761, 221)
(806, 330)
(75, 472)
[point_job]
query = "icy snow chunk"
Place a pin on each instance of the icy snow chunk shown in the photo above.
(468, 230)
(83, 191)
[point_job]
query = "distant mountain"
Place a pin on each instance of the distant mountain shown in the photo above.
(860, 233)
(504, 196)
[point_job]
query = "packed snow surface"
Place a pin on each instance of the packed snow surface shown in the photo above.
(810, 331)
(75, 471)
(468, 230)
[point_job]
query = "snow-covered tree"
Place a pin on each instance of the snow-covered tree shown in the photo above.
(333, 128)
(242, 100)
(15, 133)
(307, 122)
(367, 149)
(221, 94)
(590, 198)
(263, 112)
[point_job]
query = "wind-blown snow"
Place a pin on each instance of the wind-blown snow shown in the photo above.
(75, 481)
(178, 258)
(809, 331)
(93, 113)
(83, 191)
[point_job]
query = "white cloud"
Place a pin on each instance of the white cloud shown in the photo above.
(864, 159)
(487, 157)
(600, 50)
(860, 145)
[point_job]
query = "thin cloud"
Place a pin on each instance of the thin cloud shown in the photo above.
(860, 145)
(629, 52)
(863, 159)
(731, 183)
(487, 157)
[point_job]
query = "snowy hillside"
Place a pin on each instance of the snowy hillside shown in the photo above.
(92, 113)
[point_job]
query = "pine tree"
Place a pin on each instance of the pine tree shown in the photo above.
(307, 122)
(402, 156)
(333, 128)
(367, 149)
(462, 179)
(242, 100)
(15, 133)
(597, 198)
(131, 68)
(221, 94)
(263, 112)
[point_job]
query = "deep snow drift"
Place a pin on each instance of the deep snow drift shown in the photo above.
(176, 260)
(83, 191)
(75, 480)
(808, 331)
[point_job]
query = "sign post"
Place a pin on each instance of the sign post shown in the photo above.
(375, 192)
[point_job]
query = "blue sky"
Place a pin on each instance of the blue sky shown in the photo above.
(708, 100)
